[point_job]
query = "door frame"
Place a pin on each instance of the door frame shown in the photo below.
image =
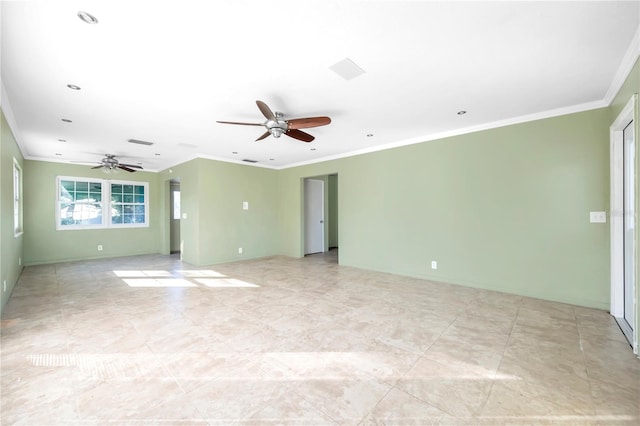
(304, 214)
(616, 218)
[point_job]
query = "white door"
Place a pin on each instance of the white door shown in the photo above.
(628, 224)
(313, 216)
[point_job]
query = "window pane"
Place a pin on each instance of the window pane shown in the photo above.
(82, 186)
(95, 187)
(139, 218)
(116, 189)
(139, 199)
(82, 196)
(80, 214)
(116, 198)
(139, 210)
(69, 185)
(127, 198)
(139, 190)
(176, 204)
(127, 189)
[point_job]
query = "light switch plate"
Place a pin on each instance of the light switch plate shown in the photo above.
(184, 215)
(598, 217)
(245, 205)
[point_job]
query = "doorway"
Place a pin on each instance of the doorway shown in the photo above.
(313, 216)
(175, 215)
(623, 223)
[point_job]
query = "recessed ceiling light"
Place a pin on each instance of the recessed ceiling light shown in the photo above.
(271, 159)
(369, 135)
(62, 140)
(461, 112)
(58, 154)
(157, 153)
(73, 87)
(66, 120)
(313, 149)
(87, 17)
(234, 152)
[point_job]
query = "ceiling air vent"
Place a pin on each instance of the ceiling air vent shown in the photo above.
(139, 142)
(246, 160)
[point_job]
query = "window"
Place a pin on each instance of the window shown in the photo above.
(85, 203)
(176, 204)
(128, 205)
(17, 198)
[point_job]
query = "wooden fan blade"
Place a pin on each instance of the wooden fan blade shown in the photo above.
(123, 167)
(305, 123)
(97, 167)
(300, 135)
(132, 166)
(236, 122)
(266, 111)
(264, 135)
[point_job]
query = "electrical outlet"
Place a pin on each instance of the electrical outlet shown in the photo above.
(99, 247)
(240, 250)
(598, 217)
(434, 264)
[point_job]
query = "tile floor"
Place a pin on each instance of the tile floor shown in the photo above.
(151, 340)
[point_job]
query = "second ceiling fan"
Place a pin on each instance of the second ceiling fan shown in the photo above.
(276, 125)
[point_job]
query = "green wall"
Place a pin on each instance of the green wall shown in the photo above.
(212, 193)
(11, 246)
(44, 244)
(504, 209)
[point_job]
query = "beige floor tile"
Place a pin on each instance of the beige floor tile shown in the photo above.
(313, 343)
(400, 408)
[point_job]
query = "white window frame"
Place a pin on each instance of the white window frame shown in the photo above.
(17, 199)
(105, 204)
(146, 204)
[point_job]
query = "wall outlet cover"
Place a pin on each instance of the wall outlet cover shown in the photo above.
(598, 217)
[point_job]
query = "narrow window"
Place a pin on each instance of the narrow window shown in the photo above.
(17, 198)
(176, 205)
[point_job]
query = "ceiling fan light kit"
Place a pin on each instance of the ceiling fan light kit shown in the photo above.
(277, 125)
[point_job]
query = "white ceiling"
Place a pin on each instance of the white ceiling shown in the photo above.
(164, 72)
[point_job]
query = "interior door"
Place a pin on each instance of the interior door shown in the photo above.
(175, 214)
(628, 224)
(313, 216)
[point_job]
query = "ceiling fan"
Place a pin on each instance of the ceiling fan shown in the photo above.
(276, 125)
(110, 163)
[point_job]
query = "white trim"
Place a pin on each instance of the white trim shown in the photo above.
(105, 203)
(616, 214)
(627, 63)
(18, 223)
(588, 106)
